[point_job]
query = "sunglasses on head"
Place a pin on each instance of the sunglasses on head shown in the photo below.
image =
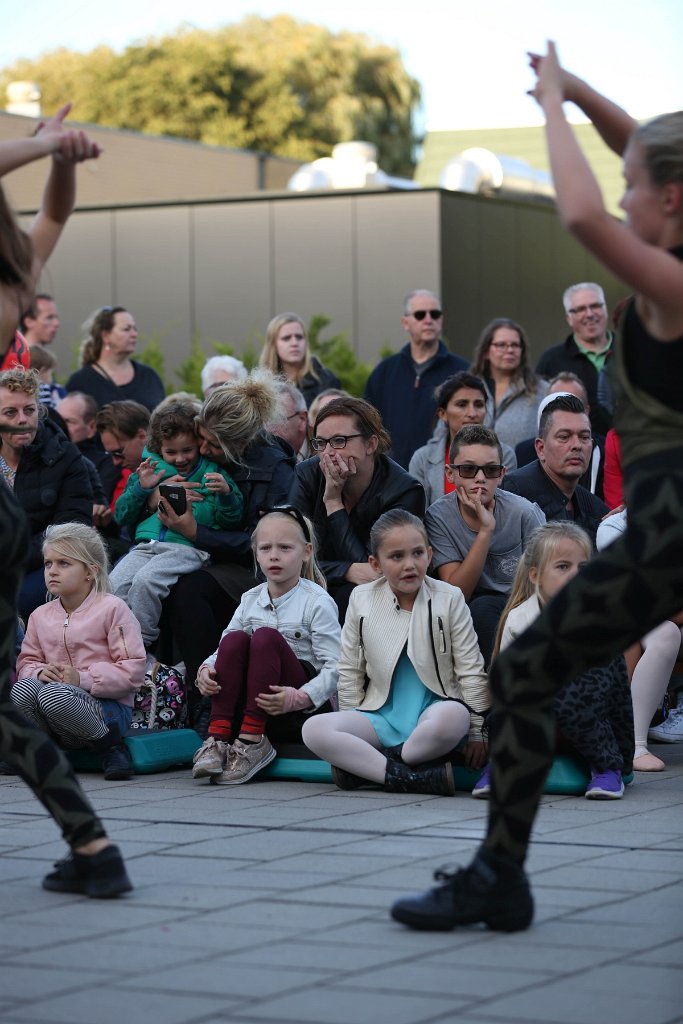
(435, 314)
(468, 471)
(290, 510)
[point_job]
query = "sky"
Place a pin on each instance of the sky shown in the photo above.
(470, 58)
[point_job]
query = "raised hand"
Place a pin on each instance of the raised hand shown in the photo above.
(67, 146)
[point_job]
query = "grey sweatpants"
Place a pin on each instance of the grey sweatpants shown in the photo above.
(146, 574)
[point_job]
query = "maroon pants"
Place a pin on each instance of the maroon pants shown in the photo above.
(246, 666)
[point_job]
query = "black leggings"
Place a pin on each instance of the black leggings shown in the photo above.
(25, 747)
(623, 593)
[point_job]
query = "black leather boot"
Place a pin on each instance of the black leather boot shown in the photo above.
(116, 763)
(493, 890)
(433, 778)
(347, 780)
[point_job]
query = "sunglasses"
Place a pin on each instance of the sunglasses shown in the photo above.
(420, 314)
(468, 471)
(319, 444)
(292, 511)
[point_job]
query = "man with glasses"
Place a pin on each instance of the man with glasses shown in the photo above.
(564, 447)
(478, 533)
(402, 387)
(587, 350)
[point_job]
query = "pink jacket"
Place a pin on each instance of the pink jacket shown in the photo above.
(101, 639)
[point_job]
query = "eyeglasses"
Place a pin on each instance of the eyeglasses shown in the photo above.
(319, 444)
(420, 314)
(294, 512)
(593, 307)
(300, 412)
(468, 471)
(500, 345)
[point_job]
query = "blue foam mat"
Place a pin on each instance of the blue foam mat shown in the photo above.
(157, 751)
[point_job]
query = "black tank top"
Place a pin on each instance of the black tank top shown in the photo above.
(654, 366)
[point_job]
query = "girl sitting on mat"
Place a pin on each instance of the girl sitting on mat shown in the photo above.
(410, 675)
(278, 655)
(594, 711)
(82, 657)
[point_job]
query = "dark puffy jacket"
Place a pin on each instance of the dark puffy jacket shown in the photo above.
(52, 486)
(313, 383)
(344, 537)
(264, 479)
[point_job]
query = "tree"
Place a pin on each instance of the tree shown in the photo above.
(274, 85)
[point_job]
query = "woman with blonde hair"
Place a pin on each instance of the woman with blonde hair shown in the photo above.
(287, 352)
(232, 431)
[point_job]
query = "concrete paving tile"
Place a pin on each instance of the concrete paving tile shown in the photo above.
(630, 979)
(324, 954)
(179, 868)
(221, 977)
(659, 908)
(114, 957)
(332, 1005)
(196, 935)
(430, 978)
(110, 1005)
(668, 954)
(568, 1002)
(20, 984)
(599, 879)
(495, 952)
(290, 915)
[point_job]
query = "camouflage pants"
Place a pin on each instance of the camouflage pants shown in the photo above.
(25, 747)
(627, 590)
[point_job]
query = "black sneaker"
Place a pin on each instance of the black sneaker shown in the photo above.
(493, 890)
(100, 876)
(116, 763)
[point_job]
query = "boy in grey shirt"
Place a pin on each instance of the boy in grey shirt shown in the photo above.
(479, 532)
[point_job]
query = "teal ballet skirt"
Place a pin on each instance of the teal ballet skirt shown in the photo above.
(408, 698)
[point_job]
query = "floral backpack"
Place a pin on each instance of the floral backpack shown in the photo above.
(161, 703)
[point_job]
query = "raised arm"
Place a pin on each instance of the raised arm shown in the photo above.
(67, 148)
(612, 123)
(643, 265)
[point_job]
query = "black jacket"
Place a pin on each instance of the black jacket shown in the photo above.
(52, 485)
(535, 485)
(311, 385)
(568, 356)
(344, 537)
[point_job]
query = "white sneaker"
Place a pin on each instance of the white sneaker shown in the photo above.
(670, 730)
(210, 759)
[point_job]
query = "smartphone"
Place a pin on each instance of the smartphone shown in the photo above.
(175, 495)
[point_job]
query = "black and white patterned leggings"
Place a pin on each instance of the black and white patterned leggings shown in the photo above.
(22, 744)
(71, 715)
(623, 593)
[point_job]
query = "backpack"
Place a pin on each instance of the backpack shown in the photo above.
(161, 703)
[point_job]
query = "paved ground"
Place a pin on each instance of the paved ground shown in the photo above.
(268, 903)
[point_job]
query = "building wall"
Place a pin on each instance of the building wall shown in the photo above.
(224, 269)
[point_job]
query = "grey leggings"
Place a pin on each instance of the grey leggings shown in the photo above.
(628, 589)
(23, 745)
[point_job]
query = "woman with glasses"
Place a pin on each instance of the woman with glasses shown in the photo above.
(287, 352)
(108, 371)
(346, 486)
(502, 359)
(460, 400)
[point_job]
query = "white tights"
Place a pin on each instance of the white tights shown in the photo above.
(347, 739)
(651, 677)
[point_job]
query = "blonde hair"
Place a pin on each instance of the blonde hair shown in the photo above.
(662, 142)
(237, 413)
(540, 549)
(310, 570)
(83, 544)
(269, 357)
